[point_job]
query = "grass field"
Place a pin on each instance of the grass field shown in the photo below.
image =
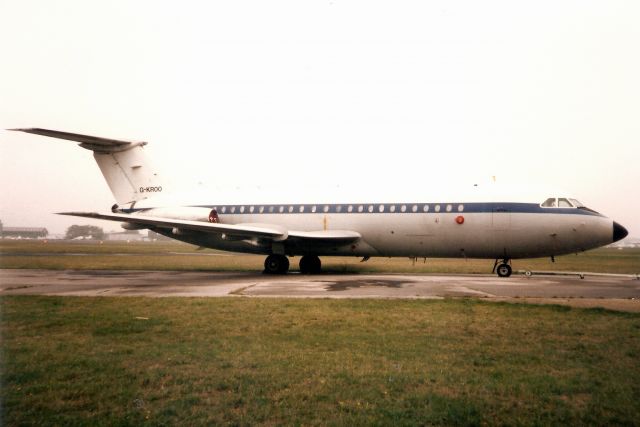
(242, 361)
(246, 361)
(177, 256)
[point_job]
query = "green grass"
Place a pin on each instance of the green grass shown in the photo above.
(243, 361)
(177, 256)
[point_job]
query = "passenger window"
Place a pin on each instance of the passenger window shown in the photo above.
(425, 208)
(564, 203)
(403, 208)
(370, 209)
(339, 208)
(350, 208)
(313, 209)
(549, 203)
(290, 209)
(381, 208)
(360, 208)
(392, 208)
(301, 209)
(326, 208)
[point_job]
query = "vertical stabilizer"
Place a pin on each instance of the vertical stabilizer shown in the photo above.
(129, 174)
(124, 165)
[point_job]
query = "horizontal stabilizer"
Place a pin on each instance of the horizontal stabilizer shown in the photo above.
(94, 143)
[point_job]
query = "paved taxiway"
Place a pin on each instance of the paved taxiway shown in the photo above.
(603, 291)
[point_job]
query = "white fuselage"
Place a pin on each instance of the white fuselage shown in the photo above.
(476, 230)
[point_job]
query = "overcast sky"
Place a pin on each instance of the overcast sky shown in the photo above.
(377, 95)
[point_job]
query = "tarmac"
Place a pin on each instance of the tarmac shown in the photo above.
(616, 292)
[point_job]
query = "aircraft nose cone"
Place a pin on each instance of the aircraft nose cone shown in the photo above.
(619, 232)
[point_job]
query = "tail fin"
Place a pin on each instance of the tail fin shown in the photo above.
(124, 165)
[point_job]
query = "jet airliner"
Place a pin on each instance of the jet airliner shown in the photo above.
(497, 229)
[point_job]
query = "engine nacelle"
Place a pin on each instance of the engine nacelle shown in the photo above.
(129, 226)
(183, 213)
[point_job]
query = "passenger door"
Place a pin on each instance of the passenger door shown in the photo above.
(500, 218)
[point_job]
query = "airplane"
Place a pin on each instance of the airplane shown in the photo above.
(498, 229)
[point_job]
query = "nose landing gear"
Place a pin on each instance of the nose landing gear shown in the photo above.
(504, 269)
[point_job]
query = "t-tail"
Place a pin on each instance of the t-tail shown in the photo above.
(124, 164)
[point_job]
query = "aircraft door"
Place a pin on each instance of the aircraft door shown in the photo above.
(500, 218)
(500, 223)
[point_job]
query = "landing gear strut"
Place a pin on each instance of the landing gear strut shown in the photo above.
(504, 269)
(276, 264)
(310, 264)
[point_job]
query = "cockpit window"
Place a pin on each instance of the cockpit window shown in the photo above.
(561, 202)
(576, 203)
(564, 203)
(549, 203)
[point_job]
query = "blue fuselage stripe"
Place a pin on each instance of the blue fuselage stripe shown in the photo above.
(390, 208)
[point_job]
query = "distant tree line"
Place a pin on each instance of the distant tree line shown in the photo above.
(84, 231)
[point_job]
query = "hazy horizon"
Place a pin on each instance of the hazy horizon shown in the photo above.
(382, 98)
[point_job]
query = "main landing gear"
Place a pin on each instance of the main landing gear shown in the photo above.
(276, 264)
(504, 269)
(310, 264)
(279, 264)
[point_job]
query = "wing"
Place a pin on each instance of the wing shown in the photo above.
(246, 230)
(262, 231)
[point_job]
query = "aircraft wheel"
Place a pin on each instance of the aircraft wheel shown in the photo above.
(504, 270)
(310, 264)
(276, 264)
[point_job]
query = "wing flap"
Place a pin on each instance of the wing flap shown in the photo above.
(328, 236)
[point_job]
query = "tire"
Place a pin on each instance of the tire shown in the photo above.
(310, 264)
(276, 264)
(504, 270)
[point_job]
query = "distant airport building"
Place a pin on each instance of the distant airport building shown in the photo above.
(628, 243)
(23, 232)
(126, 236)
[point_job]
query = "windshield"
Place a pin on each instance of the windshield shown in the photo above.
(576, 203)
(549, 203)
(561, 202)
(564, 203)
